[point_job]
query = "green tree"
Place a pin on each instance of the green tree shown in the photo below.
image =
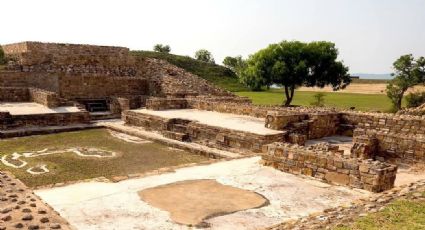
(233, 62)
(2, 56)
(408, 73)
(162, 48)
(292, 64)
(204, 55)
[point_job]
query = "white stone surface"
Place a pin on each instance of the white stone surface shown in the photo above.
(96, 205)
(224, 120)
(23, 108)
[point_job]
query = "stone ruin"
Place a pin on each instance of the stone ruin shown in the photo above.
(109, 82)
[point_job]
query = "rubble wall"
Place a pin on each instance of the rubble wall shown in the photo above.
(330, 167)
(398, 136)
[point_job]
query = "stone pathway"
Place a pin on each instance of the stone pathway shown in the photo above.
(20, 208)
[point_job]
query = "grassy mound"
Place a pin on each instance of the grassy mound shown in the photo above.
(218, 75)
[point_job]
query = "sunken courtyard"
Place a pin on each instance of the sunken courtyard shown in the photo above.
(94, 137)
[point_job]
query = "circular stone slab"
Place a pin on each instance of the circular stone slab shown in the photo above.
(191, 202)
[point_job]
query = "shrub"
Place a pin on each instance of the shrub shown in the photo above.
(162, 48)
(204, 55)
(415, 99)
(319, 99)
(2, 56)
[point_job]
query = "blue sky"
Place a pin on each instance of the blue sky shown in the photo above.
(370, 34)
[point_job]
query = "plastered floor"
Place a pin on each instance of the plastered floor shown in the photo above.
(95, 205)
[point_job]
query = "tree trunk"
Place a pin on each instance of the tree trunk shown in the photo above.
(400, 99)
(289, 94)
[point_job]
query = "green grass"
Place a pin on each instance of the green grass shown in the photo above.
(217, 74)
(401, 214)
(363, 102)
(132, 158)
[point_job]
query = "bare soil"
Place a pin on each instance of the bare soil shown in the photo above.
(191, 202)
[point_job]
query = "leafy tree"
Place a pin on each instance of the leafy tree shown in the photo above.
(292, 64)
(233, 62)
(204, 55)
(162, 48)
(2, 56)
(408, 73)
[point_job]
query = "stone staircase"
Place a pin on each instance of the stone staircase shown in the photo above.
(177, 130)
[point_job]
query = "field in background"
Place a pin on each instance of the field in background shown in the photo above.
(363, 102)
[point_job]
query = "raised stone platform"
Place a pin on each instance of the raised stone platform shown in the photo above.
(242, 134)
(223, 120)
(28, 108)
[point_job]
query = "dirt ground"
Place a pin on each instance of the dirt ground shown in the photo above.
(190, 202)
(377, 88)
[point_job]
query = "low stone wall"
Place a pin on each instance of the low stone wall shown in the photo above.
(216, 137)
(156, 103)
(50, 119)
(44, 97)
(330, 166)
(14, 94)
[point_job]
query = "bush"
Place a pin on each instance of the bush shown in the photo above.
(319, 99)
(415, 99)
(2, 56)
(205, 56)
(162, 48)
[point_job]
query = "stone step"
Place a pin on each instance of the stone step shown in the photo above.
(103, 116)
(179, 128)
(176, 136)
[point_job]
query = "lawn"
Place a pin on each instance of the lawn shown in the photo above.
(401, 214)
(131, 157)
(363, 102)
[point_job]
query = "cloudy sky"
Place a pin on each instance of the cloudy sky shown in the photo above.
(370, 34)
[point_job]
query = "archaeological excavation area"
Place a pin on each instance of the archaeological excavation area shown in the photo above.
(95, 137)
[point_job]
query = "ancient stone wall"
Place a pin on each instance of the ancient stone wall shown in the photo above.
(398, 136)
(93, 87)
(71, 58)
(156, 103)
(14, 94)
(51, 119)
(44, 97)
(330, 166)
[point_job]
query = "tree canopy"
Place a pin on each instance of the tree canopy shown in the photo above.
(292, 64)
(408, 72)
(204, 55)
(162, 48)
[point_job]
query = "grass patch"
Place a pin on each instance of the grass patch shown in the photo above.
(217, 74)
(363, 102)
(401, 214)
(132, 158)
